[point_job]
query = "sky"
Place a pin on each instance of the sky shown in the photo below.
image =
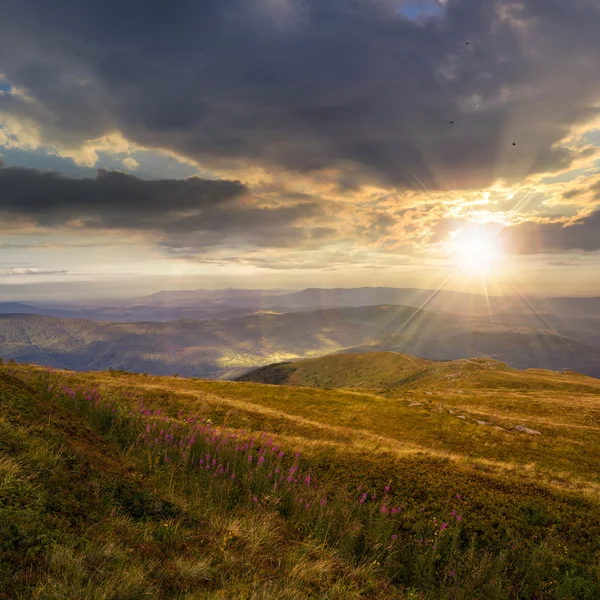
(294, 143)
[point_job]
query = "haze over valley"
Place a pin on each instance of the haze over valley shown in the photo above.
(221, 334)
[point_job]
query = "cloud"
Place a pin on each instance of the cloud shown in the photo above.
(189, 214)
(305, 85)
(131, 163)
(581, 234)
(34, 271)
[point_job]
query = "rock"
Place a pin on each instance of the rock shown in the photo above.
(451, 411)
(461, 417)
(524, 429)
(416, 404)
(481, 422)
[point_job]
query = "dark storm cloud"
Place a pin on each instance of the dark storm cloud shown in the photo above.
(533, 238)
(311, 83)
(112, 199)
(201, 212)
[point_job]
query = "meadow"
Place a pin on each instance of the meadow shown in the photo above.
(117, 485)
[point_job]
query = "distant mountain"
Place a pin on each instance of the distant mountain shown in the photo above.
(226, 348)
(16, 308)
(229, 303)
(31, 309)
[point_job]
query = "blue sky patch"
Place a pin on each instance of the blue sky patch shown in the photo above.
(418, 9)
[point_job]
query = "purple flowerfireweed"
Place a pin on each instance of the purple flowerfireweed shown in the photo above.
(183, 444)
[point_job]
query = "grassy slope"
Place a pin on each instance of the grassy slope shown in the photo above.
(536, 494)
(375, 370)
(389, 371)
(83, 520)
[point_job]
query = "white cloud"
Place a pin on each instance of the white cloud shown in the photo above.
(131, 163)
(34, 271)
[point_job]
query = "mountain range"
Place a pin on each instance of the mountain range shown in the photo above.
(229, 347)
(231, 303)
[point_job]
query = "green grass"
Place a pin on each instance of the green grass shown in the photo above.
(393, 372)
(375, 370)
(530, 504)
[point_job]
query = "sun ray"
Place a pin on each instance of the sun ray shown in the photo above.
(487, 296)
(528, 304)
(398, 330)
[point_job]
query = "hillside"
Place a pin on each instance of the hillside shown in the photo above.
(226, 348)
(390, 371)
(435, 494)
(393, 373)
(374, 370)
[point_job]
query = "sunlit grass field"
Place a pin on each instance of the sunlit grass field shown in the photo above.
(409, 494)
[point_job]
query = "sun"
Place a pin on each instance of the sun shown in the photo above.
(476, 252)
